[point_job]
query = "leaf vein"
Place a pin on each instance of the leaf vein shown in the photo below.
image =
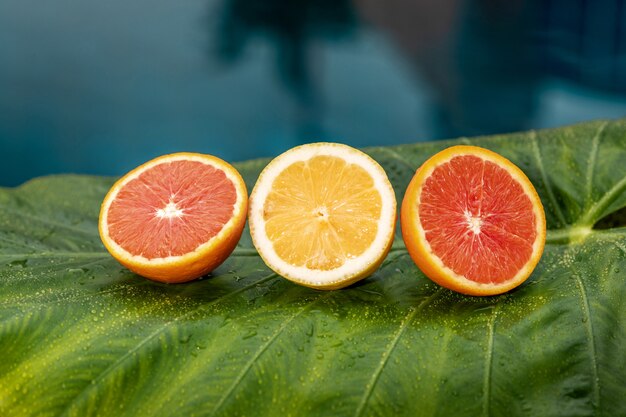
(396, 156)
(261, 350)
(544, 178)
(55, 255)
(591, 340)
(49, 222)
(589, 218)
(591, 165)
(16, 243)
(389, 350)
(489, 362)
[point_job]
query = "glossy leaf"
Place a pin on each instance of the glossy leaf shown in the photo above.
(82, 336)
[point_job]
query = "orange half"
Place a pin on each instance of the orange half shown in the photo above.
(473, 222)
(323, 215)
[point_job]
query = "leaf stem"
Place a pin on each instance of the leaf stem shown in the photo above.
(568, 235)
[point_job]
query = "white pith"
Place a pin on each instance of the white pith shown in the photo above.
(352, 267)
(169, 211)
(474, 223)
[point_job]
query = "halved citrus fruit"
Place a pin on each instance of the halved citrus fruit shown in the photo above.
(323, 215)
(176, 217)
(473, 222)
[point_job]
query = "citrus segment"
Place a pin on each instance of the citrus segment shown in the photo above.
(473, 222)
(176, 217)
(323, 215)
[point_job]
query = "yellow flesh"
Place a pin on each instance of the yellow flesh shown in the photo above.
(322, 212)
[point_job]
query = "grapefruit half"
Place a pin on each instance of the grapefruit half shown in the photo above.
(176, 217)
(473, 222)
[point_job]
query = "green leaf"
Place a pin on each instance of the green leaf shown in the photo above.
(81, 336)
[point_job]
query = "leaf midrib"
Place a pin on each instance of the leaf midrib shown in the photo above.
(487, 374)
(586, 310)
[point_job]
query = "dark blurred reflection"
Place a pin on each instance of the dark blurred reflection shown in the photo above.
(293, 28)
(484, 60)
(488, 60)
(100, 87)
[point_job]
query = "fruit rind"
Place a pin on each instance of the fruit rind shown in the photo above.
(352, 270)
(208, 256)
(419, 248)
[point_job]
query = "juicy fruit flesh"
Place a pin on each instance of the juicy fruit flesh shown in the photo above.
(477, 219)
(322, 212)
(171, 209)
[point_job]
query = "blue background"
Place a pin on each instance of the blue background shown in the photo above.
(99, 87)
